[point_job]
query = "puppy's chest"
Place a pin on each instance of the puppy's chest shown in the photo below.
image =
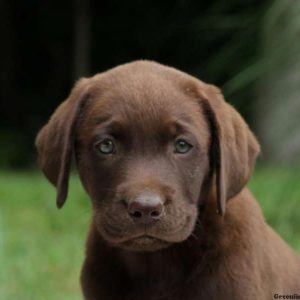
(151, 283)
(173, 284)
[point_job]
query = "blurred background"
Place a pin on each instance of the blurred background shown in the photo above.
(250, 49)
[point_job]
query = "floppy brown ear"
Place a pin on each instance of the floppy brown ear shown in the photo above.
(55, 141)
(233, 149)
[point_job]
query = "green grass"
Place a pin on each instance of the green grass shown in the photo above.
(278, 192)
(42, 249)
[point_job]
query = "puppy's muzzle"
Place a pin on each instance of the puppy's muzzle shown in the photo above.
(145, 208)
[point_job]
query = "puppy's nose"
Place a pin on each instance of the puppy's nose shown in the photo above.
(146, 208)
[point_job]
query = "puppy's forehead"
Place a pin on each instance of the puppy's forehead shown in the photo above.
(143, 97)
(144, 108)
(149, 104)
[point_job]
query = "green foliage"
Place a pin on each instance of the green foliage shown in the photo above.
(248, 48)
(42, 249)
(212, 40)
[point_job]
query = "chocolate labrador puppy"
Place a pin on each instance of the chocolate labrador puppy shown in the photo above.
(162, 156)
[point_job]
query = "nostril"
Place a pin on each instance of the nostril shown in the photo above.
(136, 214)
(155, 213)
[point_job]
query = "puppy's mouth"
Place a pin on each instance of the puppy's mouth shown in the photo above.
(146, 239)
(144, 243)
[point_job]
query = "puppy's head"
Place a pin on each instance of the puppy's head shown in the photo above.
(150, 142)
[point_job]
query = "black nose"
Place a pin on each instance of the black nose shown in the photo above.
(146, 208)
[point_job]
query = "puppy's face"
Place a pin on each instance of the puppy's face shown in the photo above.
(150, 142)
(143, 155)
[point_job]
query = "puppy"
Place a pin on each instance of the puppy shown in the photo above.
(162, 156)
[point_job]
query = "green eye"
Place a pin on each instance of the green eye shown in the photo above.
(182, 146)
(106, 146)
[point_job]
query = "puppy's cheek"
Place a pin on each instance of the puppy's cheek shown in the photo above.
(97, 221)
(178, 225)
(113, 227)
(108, 233)
(189, 225)
(103, 224)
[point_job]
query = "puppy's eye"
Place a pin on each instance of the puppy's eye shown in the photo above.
(106, 146)
(182, 146)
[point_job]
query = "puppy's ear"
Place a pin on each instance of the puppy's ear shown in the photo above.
(55, 141)
(233, 149)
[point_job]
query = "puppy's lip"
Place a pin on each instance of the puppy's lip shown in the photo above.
(147, 235)
(145, 239)
(145, 243)
(141, 239)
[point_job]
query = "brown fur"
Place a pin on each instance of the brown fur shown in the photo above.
(191, 251)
